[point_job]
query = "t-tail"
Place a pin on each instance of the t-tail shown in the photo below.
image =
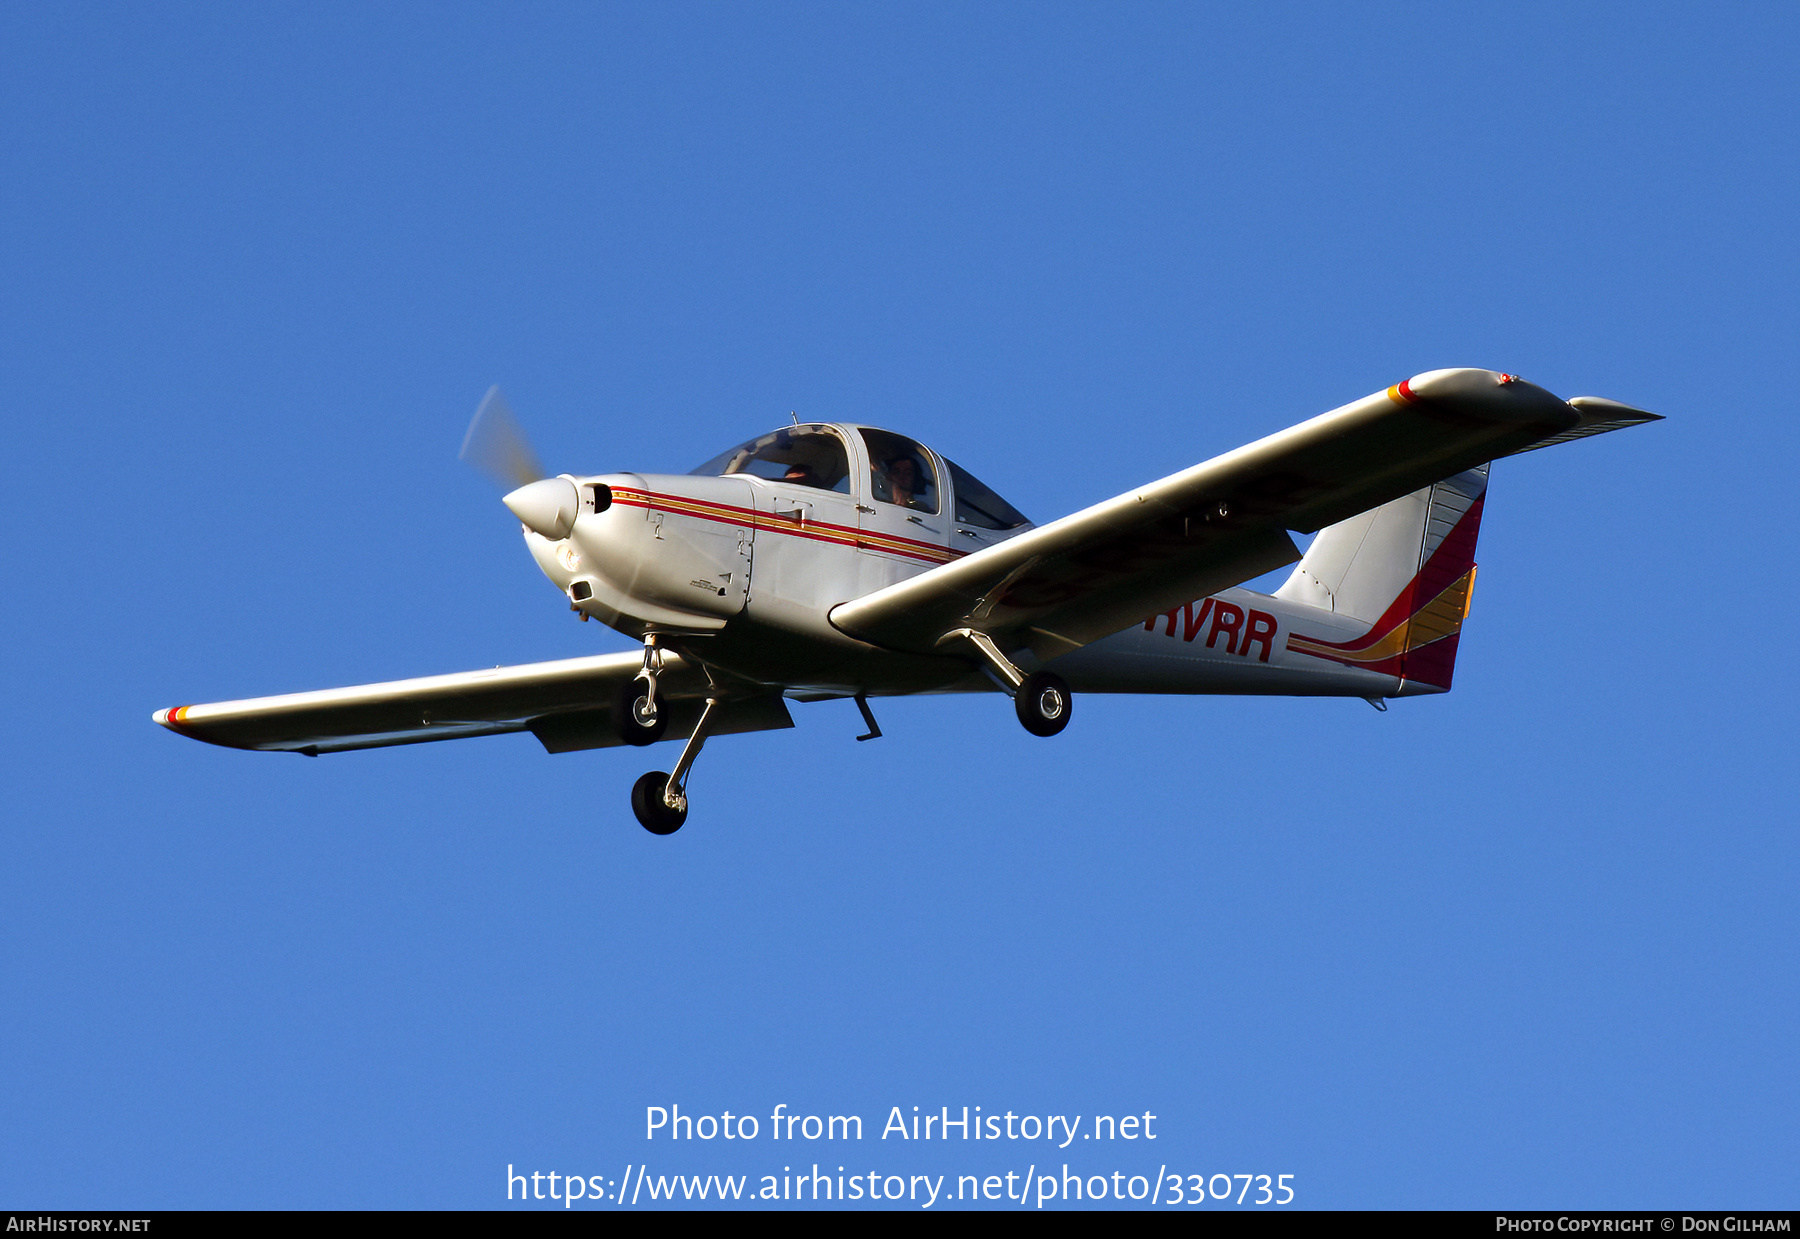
(1373, 609)
(1407, 570)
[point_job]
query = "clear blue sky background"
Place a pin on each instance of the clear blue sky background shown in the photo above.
(1532, 944)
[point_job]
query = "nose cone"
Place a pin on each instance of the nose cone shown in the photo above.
(548, 507)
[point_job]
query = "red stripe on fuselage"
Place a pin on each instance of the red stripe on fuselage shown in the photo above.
(815, 531)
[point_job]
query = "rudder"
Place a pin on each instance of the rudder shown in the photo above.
(1407, 568)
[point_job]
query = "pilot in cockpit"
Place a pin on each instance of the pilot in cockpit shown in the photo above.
(802, 475)
(898, 483)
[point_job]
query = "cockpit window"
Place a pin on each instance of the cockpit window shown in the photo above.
(900, 472)
(978, 506)
(798, 455)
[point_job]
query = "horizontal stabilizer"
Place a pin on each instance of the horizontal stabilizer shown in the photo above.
(1598, 415)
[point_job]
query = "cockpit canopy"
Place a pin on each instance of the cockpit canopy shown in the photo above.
(901, 472)
(801, 455)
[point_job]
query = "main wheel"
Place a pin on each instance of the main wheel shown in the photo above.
(638, 722)
(653, 812)
(1043, 703)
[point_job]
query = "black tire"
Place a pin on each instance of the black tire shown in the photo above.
(628, 716)
(653, 814)
(1043, 703)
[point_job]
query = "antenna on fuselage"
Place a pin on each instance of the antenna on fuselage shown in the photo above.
(795, 416)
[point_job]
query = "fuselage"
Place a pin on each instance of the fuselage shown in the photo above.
(741, 563)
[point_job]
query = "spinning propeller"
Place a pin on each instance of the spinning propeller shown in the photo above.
(497, 446)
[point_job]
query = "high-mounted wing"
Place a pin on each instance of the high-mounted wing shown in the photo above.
(567, 704)
(1062, 585)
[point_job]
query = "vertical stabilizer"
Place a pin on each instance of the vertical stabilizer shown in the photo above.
(1407, 569)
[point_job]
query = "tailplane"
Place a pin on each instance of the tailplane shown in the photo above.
(1407, 569)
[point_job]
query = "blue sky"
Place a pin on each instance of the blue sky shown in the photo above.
(1528, 945)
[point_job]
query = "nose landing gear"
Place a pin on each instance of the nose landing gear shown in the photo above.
(637, 714)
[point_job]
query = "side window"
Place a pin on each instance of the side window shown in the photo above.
(900, 472)
(978, 506)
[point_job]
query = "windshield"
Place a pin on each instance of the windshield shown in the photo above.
(978, 506)
(798, 455)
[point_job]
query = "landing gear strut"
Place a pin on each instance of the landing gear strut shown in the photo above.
(641, 719)
(660, 800)
(1041, 699)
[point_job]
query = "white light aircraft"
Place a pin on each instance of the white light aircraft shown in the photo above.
(821, 562)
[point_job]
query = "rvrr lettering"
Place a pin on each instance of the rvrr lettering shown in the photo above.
(1243, 630)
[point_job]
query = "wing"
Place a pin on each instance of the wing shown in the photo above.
(1062, 585)
(567, 704)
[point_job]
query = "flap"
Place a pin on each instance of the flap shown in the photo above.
(578, 730)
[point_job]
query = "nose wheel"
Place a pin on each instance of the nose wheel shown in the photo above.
(638, 715)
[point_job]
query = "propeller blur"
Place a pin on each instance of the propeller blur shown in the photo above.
(496, 444)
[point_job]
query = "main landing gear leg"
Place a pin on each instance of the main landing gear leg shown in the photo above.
(1041, 699)
(660, 800)
(640, 717)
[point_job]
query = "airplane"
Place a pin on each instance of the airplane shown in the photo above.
(826, 561)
